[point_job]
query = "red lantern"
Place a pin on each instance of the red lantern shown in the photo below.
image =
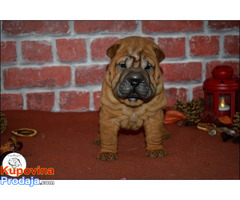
(221, 92)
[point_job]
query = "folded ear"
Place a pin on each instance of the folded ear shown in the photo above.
(159, 53)
(112, 50)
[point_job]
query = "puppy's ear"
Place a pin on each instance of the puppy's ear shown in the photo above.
(112, 50)
(159, 53)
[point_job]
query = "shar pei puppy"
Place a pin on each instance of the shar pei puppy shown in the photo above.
(132, 96)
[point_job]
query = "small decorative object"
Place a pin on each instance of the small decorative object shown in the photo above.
(191, 110)
(226, 137)
(25, 132)
(172, 116)
(236, 122)
(226, 120)
(206, 126)
(212, 132)
(3, 123)
(209, 127)
(12, 145)
(228, 131)
(221, 92)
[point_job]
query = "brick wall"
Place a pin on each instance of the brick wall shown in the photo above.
(59, 65)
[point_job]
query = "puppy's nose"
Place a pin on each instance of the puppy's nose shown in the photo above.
(135, 78)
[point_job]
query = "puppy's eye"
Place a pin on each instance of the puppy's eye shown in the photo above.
(148, 67)
(122, 65)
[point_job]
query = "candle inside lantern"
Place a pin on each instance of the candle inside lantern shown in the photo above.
(223, 108)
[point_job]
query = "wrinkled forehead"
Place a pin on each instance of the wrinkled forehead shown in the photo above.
(137, 58)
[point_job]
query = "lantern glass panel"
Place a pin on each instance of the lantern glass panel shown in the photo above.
(224, 104)
(209, 101)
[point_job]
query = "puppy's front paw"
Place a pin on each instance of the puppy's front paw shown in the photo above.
(156, 153)
(105, 156)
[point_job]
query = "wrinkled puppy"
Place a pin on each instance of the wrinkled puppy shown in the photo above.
(132, 96)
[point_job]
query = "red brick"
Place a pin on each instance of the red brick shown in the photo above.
(90, 74)
(172, 47)
(71, 49)
(175, 72)
(11, 102)
(30, 77)
(104, 26)
(8, 51)
(38, 27)
(150, 38)
(37, 51)
(204, 45)
(74, 101)
(219, 25)
(198, 92)
(174, 94)
(211, 65)
(231, 45)
(182, 94)
(171, 94)
(96, 97)
(40, 101)
(99, 47)
(171, 26)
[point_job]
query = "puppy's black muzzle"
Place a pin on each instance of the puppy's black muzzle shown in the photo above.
(135, 86)
(135, 78)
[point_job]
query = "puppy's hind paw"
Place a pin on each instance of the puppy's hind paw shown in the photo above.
(165, 136)
(97, 141)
